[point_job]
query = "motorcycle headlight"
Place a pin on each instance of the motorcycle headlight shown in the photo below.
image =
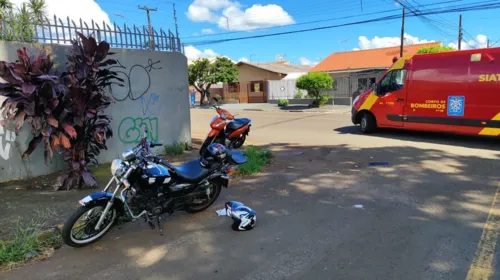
(213, 119)
(223, 116)
(117, 167)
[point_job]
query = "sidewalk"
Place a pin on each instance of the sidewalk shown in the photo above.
(275, 108)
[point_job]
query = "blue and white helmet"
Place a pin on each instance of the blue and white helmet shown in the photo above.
(244, 218)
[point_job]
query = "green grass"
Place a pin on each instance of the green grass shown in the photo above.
(27, 240)
(257, 159)
(101, 172)
(175, 149)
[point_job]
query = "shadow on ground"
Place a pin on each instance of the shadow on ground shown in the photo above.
(470, 141)
(419, 217)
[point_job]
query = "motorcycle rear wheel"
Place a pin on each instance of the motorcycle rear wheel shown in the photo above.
(216, 190)
(69, 227)
(238, 142)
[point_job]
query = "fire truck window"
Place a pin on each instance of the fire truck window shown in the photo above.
(393, 81)
(399, 77)
(385, 84)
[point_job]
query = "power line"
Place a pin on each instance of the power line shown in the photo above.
(316, 21)
(463, 8)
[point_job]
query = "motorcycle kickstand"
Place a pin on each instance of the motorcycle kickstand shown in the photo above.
(158, 220)
(147, 218)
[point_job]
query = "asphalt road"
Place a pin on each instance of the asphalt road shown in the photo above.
(324, 212)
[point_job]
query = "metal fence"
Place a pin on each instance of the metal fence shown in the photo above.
(61, 31)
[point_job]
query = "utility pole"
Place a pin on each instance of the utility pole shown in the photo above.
(175, 20)
(460, 34)
(488, 43)
(152, 38)
(402, 34)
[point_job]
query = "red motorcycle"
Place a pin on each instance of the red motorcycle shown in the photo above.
(227, 130)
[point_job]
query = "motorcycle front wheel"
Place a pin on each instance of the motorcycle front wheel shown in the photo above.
(79, 230)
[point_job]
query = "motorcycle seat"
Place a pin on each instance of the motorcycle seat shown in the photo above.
(237, 123)
(192, 171)
(237, 157)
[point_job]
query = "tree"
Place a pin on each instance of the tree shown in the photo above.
(435, 49)
(314, 82)
(203, 74)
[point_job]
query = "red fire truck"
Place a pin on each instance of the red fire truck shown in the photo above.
(456, 92)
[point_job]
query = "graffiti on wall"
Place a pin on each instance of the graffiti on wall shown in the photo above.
(7, 139)
(137, 80)
(131, 129)
(149, 104)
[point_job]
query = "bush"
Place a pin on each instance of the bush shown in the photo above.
(282, 102)
(314, 82)
(323, 99)
(435, 49)
(299, 94)
(175, 149)
(65, 113)
(217, 96)
(257, 158)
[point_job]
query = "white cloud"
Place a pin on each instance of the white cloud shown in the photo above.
(481, 41)
(226, 13)
(244, 59)
(207, 31)
(382, 42)
(306, 61)
(193, 53)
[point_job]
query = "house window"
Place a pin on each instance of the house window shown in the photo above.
(256, 87)
(365, 83)
(362, 84)
(372, 82)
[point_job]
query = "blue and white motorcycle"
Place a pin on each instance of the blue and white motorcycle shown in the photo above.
(148, 186)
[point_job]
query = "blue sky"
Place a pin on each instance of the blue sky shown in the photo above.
(248, 17)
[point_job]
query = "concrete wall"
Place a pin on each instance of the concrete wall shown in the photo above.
(155, 95)
(247, 73)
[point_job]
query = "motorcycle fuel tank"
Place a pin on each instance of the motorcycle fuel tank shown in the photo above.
(156, 170)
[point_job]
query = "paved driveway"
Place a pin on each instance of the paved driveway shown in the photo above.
(334, 204)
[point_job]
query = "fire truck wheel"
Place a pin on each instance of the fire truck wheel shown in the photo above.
(368, 123)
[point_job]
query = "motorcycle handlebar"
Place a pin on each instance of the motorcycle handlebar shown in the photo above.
(155, 144)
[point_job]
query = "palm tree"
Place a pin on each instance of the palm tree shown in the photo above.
(21, 22)
(5, 9)
(38, 10)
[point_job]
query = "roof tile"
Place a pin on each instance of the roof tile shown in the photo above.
(279, 68)
(362, 59)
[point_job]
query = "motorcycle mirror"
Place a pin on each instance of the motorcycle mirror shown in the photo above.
(216, 100)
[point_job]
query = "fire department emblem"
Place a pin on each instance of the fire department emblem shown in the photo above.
(456, 106)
